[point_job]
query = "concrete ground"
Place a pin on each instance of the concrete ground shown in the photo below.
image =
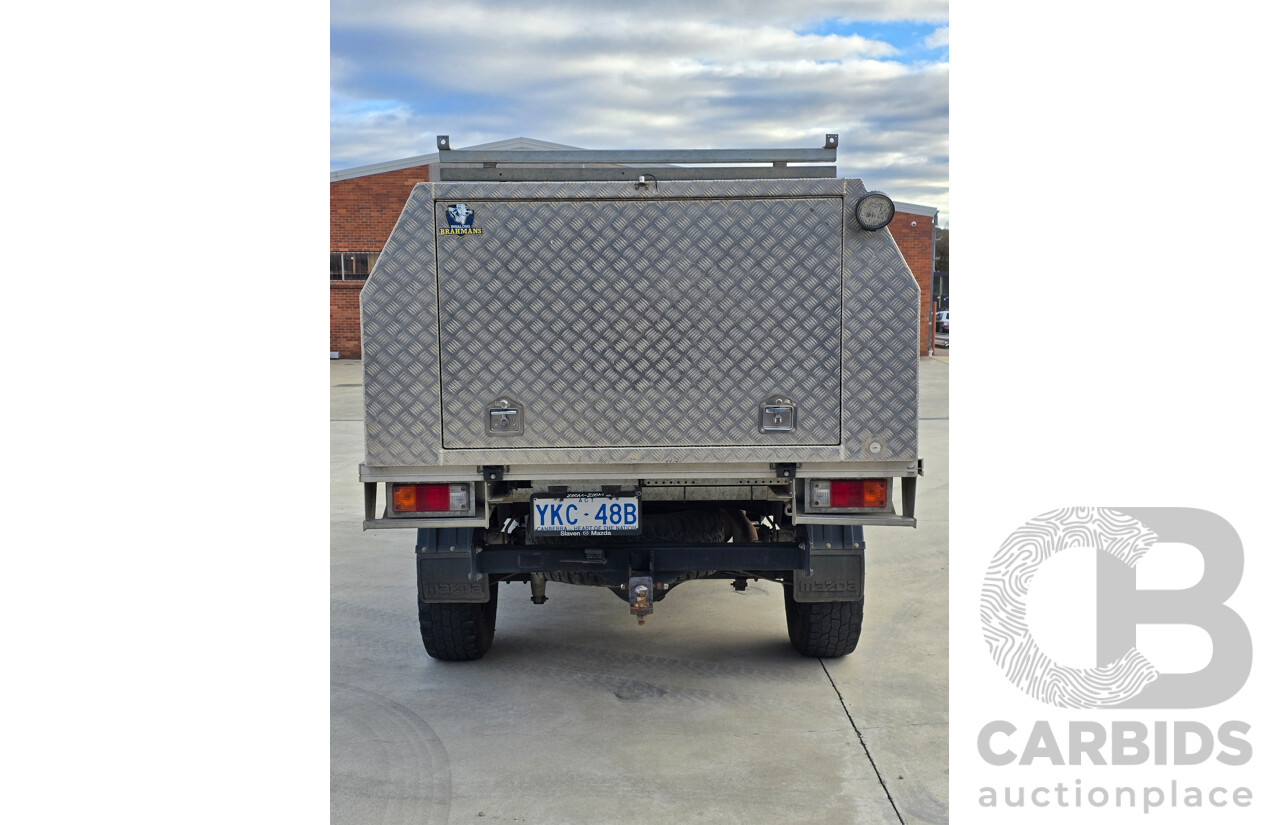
(579, 715)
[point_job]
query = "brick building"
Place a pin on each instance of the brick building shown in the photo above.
(365, 202)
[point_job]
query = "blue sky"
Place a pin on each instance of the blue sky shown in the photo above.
(655, 74)
(913, 39)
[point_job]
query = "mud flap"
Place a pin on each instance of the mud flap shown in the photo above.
(836, 557)
(447, 568)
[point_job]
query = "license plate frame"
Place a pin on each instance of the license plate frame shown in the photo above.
(550, 514)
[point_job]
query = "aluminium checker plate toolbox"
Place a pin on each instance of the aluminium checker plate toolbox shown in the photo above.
(638, 323)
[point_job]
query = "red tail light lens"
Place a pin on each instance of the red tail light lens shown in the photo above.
(858, 492)
(430, 498)
(849, 492)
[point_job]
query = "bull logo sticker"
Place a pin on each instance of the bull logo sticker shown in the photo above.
(461, 220)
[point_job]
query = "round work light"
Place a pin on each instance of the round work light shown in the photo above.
(873, 210)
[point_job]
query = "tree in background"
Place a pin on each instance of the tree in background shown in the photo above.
(941, 253)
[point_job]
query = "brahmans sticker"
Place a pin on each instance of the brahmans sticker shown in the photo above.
(461, 219)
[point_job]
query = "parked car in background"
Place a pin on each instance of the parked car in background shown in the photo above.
(943, 321)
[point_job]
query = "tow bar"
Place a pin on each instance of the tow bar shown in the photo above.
(639, 590)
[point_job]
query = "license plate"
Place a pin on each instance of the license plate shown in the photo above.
(585, 514)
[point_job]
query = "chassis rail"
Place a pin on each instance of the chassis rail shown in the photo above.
(654, 558)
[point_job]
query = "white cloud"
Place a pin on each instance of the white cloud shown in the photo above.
(548, 18)
(940, 37)
(673, 74)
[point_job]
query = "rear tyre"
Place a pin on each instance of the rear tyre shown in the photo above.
(823, 629)
(459, 631)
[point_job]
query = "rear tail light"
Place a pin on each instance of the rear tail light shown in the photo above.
(430, 498)
(848, 493)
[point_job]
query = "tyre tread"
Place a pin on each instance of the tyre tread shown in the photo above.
(823, 629)
(458, 631)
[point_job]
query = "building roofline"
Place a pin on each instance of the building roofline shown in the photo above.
(434, 157)
(916, 209)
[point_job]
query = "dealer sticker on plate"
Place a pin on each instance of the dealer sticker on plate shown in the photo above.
(585, 514)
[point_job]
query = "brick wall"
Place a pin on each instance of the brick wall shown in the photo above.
(363, 211)
(344, 318)
(916, 243)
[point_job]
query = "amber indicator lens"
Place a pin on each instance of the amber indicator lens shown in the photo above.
(428, 498)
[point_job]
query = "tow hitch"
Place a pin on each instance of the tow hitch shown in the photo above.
(640, 590)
